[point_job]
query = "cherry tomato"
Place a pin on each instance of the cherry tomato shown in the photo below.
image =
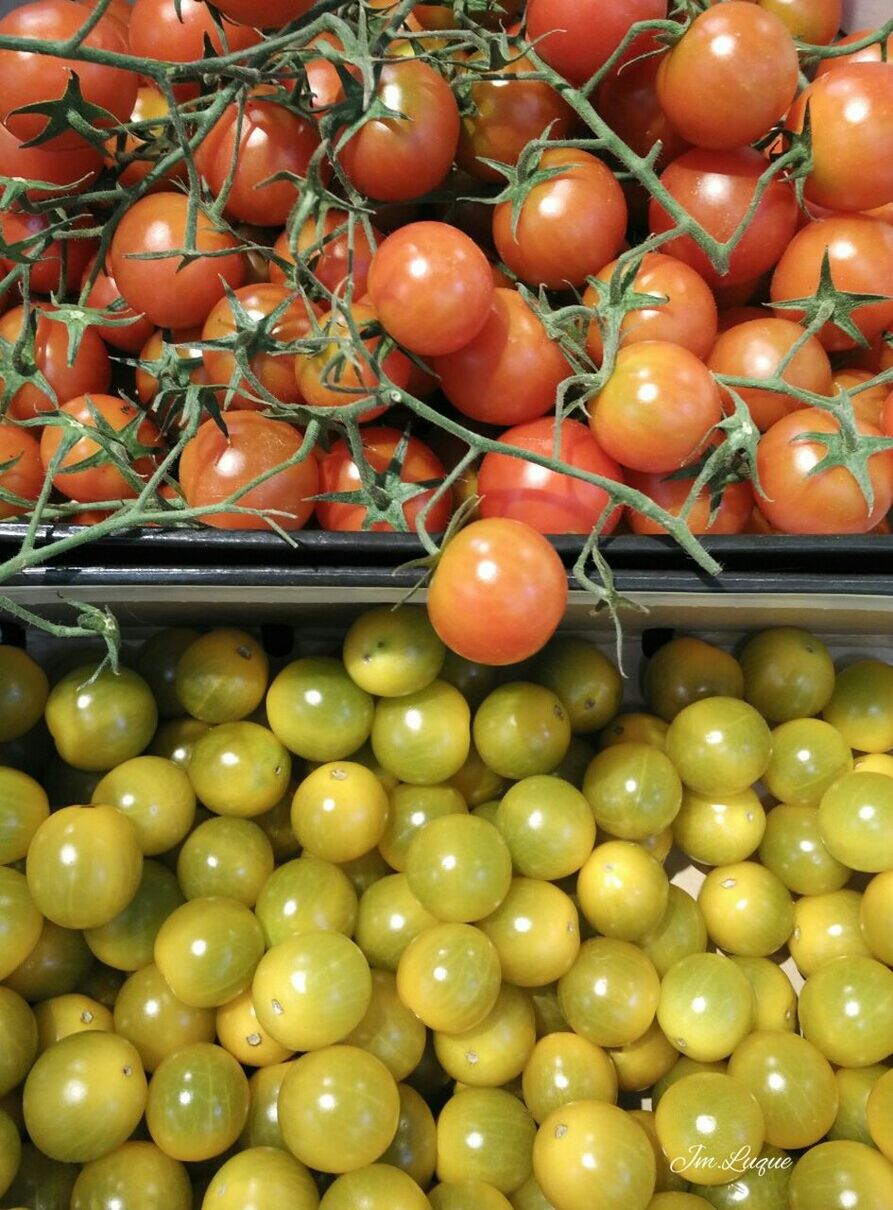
(104, 480)
(23, 473)
(730, 517)
(339, 373)
(56, 265)
(104, 292)
(160, 379)
(173, 32)
(72, 171)
(577, 39)
(47, 353)
(324, 249)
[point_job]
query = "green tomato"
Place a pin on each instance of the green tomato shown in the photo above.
(376, 1187)
(679, 932)
(459, 868)
(706, 1006)
(391, 652)
(55, 966)
(61, 1016)
(610, 995)
(261, 1176)
(793, 1083)
(339, 811)
(239, 769)
(521, 730)
(127, 941)
(304, 895)
(423, 737)
(222, 676)
(788, 673)
(411, 809)
(764, 1186)
(856, 821)
(23, 808)
(854, 1085)
(485, 1134)
(101, 722)
(641, 1063)
(861, 706)
(793, 849)
(846, 1010)
(261, 1127)
(623, 892)
(876, 917)
(208, 950)
(225, 856)
(41, 1183)
(135, 1175)
(775, 1001)
(826, 927)
(548, 826)
(10, 1151)
(157, 661)
(683, 1067)
(176, 739)
(20, 920)
(564, 1067)
(155, 795)
(24, 689)
(449, 976)
(808, 756)
(633, 789)
(747, 908)
(468, 1195)
(18, 1028)
(536, 932)
(318, 711)
(585, 681)
(414, 1147)
(635, 728)
(709, 1126)
(685, 670)
(842, 1176)
(198, 1103)
(496, 1051)
(148, 1014)
(389, 917)
(719, 745)
(389, 1030)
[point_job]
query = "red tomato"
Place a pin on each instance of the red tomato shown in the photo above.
(338, 374)
(829, 502)
(213, 467)
(511, 370)
(156, 356)
(570, 226)
(27, 78)
(56, 266)
(867, 54)
(755, 349)
(159, 31)
(324, 251)
(545, 500)
(324, 87)
(432, 288)
(583, 34)
(272, 139)
(171, 293)
(104, 480)
(851, 125)
(339, 473)
(657, 408)
(814, 21)
(395, 159)
(129, 338)
(271, 13)
(730, 77)
(24, 477)
(732, 516)
(70, 171)
(91, 370)
(506, 115)
(628, 101)
(275, 372)
(498, 592)
(687, 318)
(860, 255)
(717, 188)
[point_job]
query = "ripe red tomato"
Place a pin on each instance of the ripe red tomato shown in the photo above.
(57, 266)
(272, 139)
(129, 338)
(687, 318)
(498, 592)
(755, 349)
(730, 77)
(153, 356)
(867, 54)
(570, 226)
(273, 12)
(91, 370)
(72, 171)
(396, 159)
(657, 408)
(27, 78)
(324, 251)
(577, 37)
(511, 370)
(339, 473)
(24, 478)
(545, 500)
(174, 32)
(814, 21)
(104, 480)
(851, 128)
(213, 467)
(717, 189)
(628, 101)
(829, 502)
(273, 371)
(860, 255)
(732, 516)
(172, 294)
(432, 288)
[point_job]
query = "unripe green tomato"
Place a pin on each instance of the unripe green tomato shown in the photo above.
(57, 964)
(208, 950)
(449, 976)
(610, 995)
(855, 1174)
(536, 932)
(10, 1151)
(459, 868)
(775, 1001)
(148, 1014)
(635, 727)
(846, 1010)
(793, 1083)
(155, 795)
(261, 1176)
(856, 821)
(585, 681)
(135, 1174)
(389, 1030)
(854, 1085)
(748, 909)
(339, 811)
(317, 711)
(389, 917)
(198, 1103)
(709, 1125)
(633, 789)
(391, 652)
(21, 921)
(468, 1195)
(876, 917)
(788, 673)
(423, 737)
(719, 829)
(808, 756)
(521, 730)
(239, 769)
(304, 895)
(414, 1146)
(496, 1051)
(623, 892)
(485, 1134)
(24, 689)
(100, 723)
(860, 706)
(157, 661)
(687, 669)
(18, 1028)
(225, 856)
(706, 1006)
(826, 927)
(719, 745)
(641, 1063)
(222, 676)
(548, 826)
(793, 849)
(71, 1014)
(127, 941)
(564, 1067)
(23, 808)
(376, 1187)
(679, 932)
(411, 809)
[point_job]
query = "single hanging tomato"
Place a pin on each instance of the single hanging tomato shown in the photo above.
(329, 251)
(498, 592)
(129, 337)
(105, 480)
(546, 500)
(48, 356)
(63, 172)
(730, 77)
(577, 37)
(175, 31)
(570, 226)
(57, 265)
(24, 476)
(732, 515)
(717, 188)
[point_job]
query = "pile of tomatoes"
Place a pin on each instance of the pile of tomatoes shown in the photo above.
(329, 271)
(381, 928)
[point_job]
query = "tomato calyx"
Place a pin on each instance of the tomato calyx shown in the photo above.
(70, 112)
(847, 448)
(830, 305)
(20, 364)
(522, 178)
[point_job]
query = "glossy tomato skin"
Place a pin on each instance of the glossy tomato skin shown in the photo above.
(27, 78)
(851, 127)
(213, 467)
(56, 265)
(657, 408)
(396, 159)
(549, 502)
(511, 370)
(103, 481)
(570, 225)
(172, 33)
(91, 370)
(25, 477)
(583, 36)
(730, 77)
(432, 287)
(128, 338)
(860, 256)
(498, 592)
(830, 502)
(171, 294)
(72, 171)
(338, 473)
(324, 250)
(716, 188)
(671, 494)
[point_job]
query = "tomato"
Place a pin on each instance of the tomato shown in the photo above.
(174, 31)
(48, 355)
(687, 318)
(391, 652)
(717, 188)
(275, 12)
(732, 514)
(577, 39)
(860, 257)
(867, 54)
(569, 226)
(340, 374)
(396, 159)
(628, 102)
(104, 480)
(339, 473)
(213, 467)
(159, 377)
(509, 373)
(136, 1171)
(102, 295)
(56, 266)
(498, 592)
(432, 288)
(324, 250)
(851, 117)
(22, 470)
(730, 77)
(72, 171)
(755, 349)
(485, 1134)
(27, 78)
(171, 293)
(656, 410)
(829, 502)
